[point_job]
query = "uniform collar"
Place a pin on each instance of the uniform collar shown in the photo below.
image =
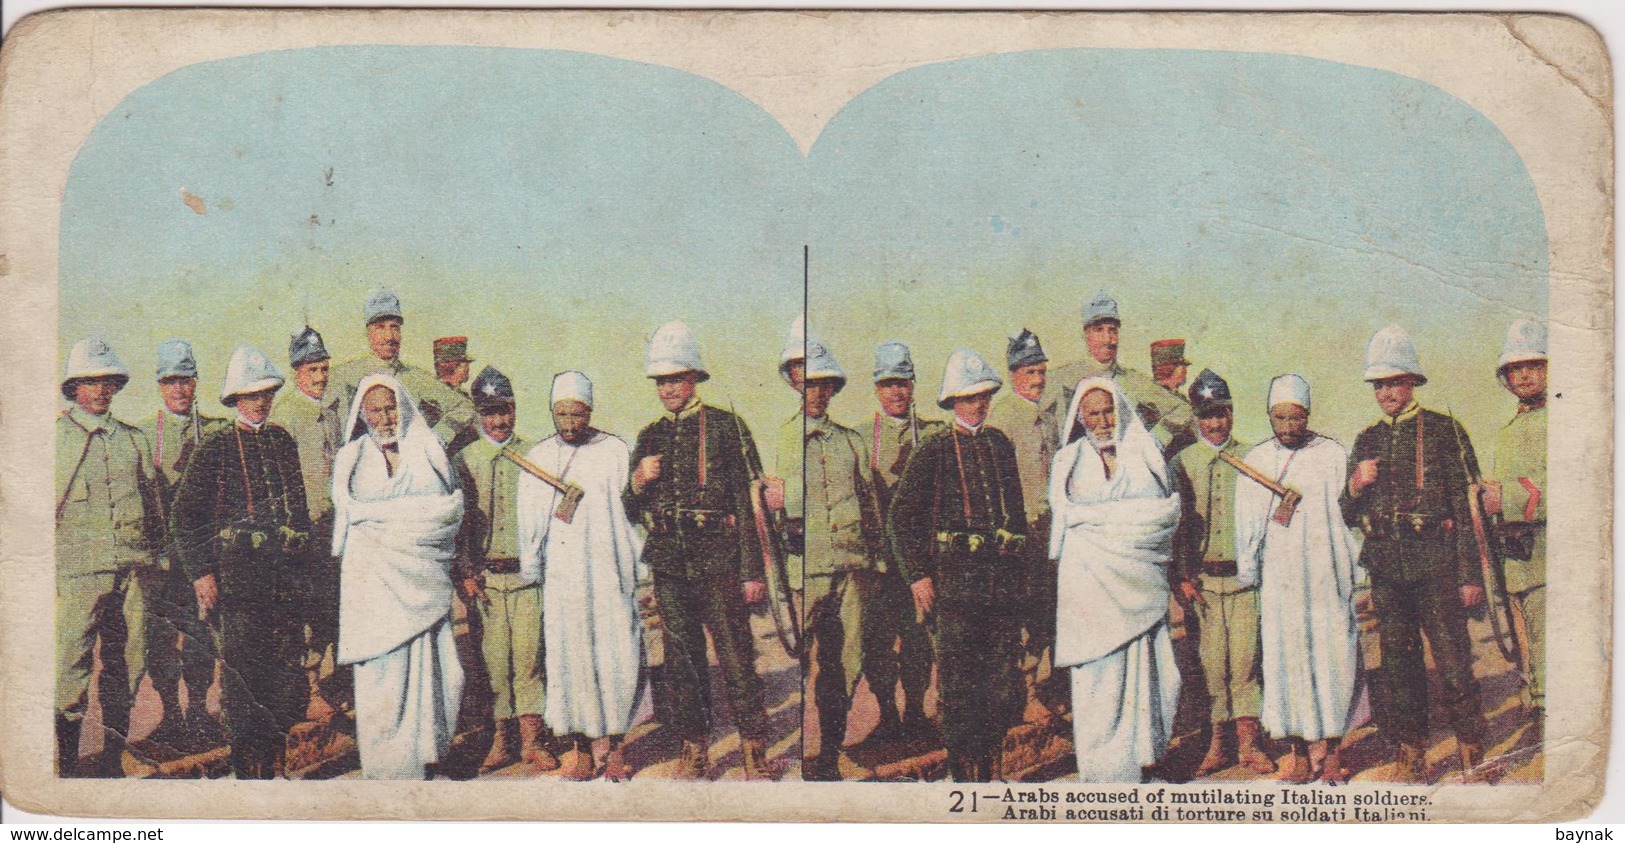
(817, 427)
(1410, 412)
(245, 424)
(89, 422)
(1092, 367)
(1532, 406)
(494, 443)
(689, 409)
(967, 429)
(1212, 447)
(183, 419)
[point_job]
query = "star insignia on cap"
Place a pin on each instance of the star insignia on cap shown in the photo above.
(490, 389)
(1205, 391)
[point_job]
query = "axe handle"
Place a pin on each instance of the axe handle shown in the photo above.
(1253, 474)
(535, 470)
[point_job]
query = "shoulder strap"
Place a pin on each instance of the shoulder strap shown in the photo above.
(62, 504)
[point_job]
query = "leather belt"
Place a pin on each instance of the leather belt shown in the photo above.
(508, 565)
(1218, 568)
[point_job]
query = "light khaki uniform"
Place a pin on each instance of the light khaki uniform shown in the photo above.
(512, 643)
(107, 528)
(1228, 642)
(1520, 465)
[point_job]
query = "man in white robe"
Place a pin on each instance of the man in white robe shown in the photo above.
(397, 511)
(1115, 512)
(1305, 571)
(589, 569)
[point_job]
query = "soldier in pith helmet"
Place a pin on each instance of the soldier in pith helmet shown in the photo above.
(175, 432)
(958, 527)
(690, 486)
(1407, 492)
(1518, 492)
(897, 651)
(107, 527)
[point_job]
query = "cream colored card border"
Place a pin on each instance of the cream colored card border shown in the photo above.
(1545, 81)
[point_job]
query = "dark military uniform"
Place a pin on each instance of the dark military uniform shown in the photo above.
(957, 518)
(170, 605)
(702, 545)
(1419, 552)
(240, 514)
(896, 646)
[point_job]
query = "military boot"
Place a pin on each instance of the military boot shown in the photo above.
(1411, 766)
(532, 746)
(1247, 751)
(694, 763)
(757, 767)
(1215, 759)
(1473, 768)
(891, 725)
(499, 756)
(67, 747)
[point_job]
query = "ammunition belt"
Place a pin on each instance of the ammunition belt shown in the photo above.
(1003, 541)
(1398, 525)
(1218, 568)
(508, 565)
(681, 520)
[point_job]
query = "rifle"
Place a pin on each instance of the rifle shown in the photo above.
(769, 526)
(566, 509)
(1489, 562)
(1290, 498)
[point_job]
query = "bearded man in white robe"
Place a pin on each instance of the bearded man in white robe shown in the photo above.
(397, 511)
(589, 568)
(1115, 513)
(1305, 571)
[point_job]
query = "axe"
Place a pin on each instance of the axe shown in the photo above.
(1290, 498)
(572, 493)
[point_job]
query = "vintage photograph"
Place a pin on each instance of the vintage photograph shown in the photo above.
(479, 401)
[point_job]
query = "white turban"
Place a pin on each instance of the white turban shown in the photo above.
(1289, 389)
(572, 386)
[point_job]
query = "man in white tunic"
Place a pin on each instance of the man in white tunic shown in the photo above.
(397, 512)
(1114, 515)
(1305, 571)
(589, 569)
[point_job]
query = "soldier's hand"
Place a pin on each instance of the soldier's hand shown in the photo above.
(649, 611)
(1190, 593)
(474, 590)
(1472, 595)
(648, 471)
(1493, 500)
(925, 598)
(1365, 473)
(753, 591)
(773, 492)
(208, 593)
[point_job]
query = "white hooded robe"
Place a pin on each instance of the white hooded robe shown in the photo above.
(1113, 538)
(396, 534)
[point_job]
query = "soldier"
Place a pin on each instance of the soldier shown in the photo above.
(509, 600)
(896, 645)
(842, 535)
(1164, 413)
(1029, 420)
(451, 361)
(957, 526)
(448, 411)
(107, 527)
(175, 432)
(1407, 492)
(690, 486)
(1518, 493)
(312, 416)
(1176, 427)
(240, 529)
(1205, 564)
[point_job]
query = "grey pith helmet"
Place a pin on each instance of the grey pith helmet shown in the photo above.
(249, 372)
(1526, 342)
(1100, 308)
(674, 350)
(306, 347)
(382, 304)
(892, 362)
(92, 358)
(967, 374)
(795, 346)
(175, 360)
(1392, 353)
(821, 365)
(1024, 350)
